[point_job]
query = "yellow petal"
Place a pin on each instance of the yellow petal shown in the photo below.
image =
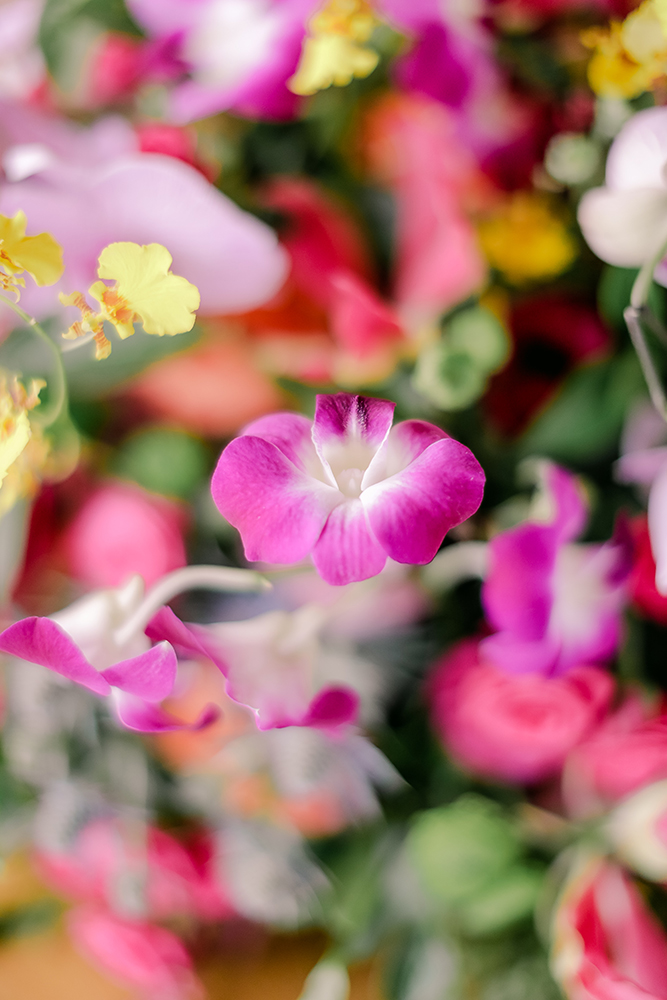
(13, 439)
(164, 302)
(39, 255)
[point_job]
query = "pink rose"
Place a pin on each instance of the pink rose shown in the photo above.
(122, 530)
(626, 753)
(514, 727)
(606, 944)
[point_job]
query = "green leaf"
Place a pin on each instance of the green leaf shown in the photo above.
(504, 902)
(585, 419)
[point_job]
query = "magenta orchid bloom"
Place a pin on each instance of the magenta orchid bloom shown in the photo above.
(274, 664)
(347, 487)
(555, 604)
(85, 643)
(237, 56)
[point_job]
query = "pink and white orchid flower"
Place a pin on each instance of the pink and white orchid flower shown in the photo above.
(99, 642)
(275, 664)
(346, 487)
(625, 222)
(555, 604)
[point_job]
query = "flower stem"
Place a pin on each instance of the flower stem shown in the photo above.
(639, 311)
(57, 382)
(190, 578)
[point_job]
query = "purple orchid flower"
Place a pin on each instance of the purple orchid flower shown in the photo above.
(555, 605)
(347, 487)
(239, 53)
(274, 664)
(99, 642)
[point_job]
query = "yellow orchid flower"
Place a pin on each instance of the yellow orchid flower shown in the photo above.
(332, 53)
(145, 290)
(526, 239)
(15, 429)
(39, 255)
(629, 56)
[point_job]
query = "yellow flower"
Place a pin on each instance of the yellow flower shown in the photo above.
(15, 428)
(332, 53)
(526, 240)
(145, 290)
(39, 255)
(630, 56)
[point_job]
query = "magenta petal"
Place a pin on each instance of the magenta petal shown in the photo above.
(332, 707)
(518, 592)
(150, 675)
(290, 433)
(39, 640)
(411, 512)
(571, 510)
(278, 510)
(147, 718)
(516, 656)
(188, 639)
(347, 549)
(344, 416)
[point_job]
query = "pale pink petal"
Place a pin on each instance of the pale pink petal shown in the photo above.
(638, 154)
(624, 227)
(517, 656)
(565, 493)
(641, 466)
(657, 526)
(39, 640)
(279, 511)
(347, 550)
(150, 675)
(144, 717)
(411, 512)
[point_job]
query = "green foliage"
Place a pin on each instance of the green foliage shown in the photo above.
(163, 460)
(69, 27)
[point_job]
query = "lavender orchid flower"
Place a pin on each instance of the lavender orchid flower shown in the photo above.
(99, 643)
(346, 487)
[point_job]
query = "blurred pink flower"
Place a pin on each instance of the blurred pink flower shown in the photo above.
(178, 879)
(90, 187)
(345, 487)
(121, 530)
(513, 728)
(555, 604)
(624, 754)
(605, 941)
(141, 956)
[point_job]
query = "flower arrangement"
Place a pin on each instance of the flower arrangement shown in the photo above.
(334, 610)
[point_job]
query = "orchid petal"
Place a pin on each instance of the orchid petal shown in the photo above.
(517, 594)
(347, 550)
(407, 441)
(189, 639)
(657, 526)
(641, 466)
(150, 676)
(144, 717)
(39, 640)
(349, 432)
(279, 510)
(411, 512)
(639, 152)
(291, 434)
(624, 227)
(565, 493)
(332, 707)
(517, 656)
